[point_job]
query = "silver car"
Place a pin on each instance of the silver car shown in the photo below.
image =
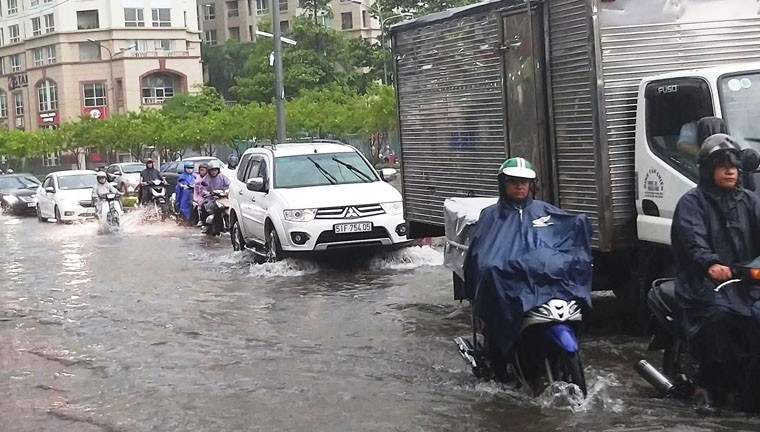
(126, 176)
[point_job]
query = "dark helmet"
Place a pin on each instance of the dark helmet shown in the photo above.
(232, 160)
(148, 161)
(203, 165)
(719, 148)
(708, 126)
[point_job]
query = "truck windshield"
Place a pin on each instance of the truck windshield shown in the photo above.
(321, 169)
(740, 102)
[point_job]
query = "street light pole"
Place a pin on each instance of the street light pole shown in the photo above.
(279, 87)
(111, 83)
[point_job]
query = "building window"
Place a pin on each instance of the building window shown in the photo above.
(233, 8)
(47, 96)
(284, 27)
(39, 58)
(16, 63)
(163, 45)
(346, 21)
(141, 45)
(34, 3)
(2, 37)
(134, 17)
(364, 19)
(324, 21)
(94, 95)
(18, 103)
(49, 23)
(158, 87)
(12, 7)
(3, 104)
(51, 159)
(283, 5)
(88, 51)
(46, 53)
(209, 11)
(162, 17)
(87, 19)
(36, 26)
(262, 7)
(2, 65)
(14, 34)
(209, 37)
(234, 33)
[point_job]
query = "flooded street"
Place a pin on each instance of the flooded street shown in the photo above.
(160, 328)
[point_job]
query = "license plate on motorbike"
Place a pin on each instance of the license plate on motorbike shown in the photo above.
(352, 228)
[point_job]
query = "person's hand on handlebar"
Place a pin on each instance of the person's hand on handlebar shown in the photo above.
(719, 273)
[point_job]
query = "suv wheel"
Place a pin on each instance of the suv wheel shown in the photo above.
(273, 248)
(236, 235)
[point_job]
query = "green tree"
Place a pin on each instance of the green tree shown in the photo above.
(225, 62)
(191, 106)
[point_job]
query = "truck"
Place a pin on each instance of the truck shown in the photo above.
(597, 94)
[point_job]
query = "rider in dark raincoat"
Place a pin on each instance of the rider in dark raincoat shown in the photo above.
(184, 192)
(716, 226)
(523, 253)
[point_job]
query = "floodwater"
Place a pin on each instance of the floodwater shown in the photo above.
(159, 328)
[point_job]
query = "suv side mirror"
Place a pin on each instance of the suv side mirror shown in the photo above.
(255, 184)
(388, 174)
(50, 189)
(750, 160)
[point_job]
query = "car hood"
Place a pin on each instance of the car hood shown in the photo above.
(133, 178)
(339, 195)
(74, 195)
(18, 192)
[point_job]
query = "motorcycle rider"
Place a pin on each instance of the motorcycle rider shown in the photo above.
(101, 189)
(715, 226)
(184, 191)
(510, 228)
(215, 180)
(232, 161)
(147, 175)
(197, 193)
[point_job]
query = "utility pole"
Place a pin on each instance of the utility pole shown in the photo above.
(279, 87)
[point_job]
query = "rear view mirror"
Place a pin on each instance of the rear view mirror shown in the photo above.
(50, 189)
(255, 184)
(389, 174)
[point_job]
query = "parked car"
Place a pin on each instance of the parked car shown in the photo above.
(126, 176)
(172, 171)
(311, 198)
(18, 193)
(66, 196)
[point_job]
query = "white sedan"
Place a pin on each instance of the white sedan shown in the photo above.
(66, 196)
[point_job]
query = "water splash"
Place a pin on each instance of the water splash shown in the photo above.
(407, 259)
(285, 268)
(564, 396)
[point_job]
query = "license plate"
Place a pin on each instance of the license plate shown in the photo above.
(30, 204)
(353, 228)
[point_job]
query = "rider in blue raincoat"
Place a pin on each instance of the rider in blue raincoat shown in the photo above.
(523, 253)
(184, 192)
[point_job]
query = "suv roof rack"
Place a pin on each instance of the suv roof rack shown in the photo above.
(330, 141)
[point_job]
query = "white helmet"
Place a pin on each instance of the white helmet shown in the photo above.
(214, 164)
(101, 175)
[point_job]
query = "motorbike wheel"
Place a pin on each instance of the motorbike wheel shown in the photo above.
(236, 236)
(569, 368)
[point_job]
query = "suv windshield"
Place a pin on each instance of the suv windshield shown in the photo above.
(321, 169)
(132, 168)
(79, 181)
(740, 102)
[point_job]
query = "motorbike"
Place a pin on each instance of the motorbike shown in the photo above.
(110, 211)
(157, 199)
(218, 212)
(174, 206)
(546, 348)
(668, 332)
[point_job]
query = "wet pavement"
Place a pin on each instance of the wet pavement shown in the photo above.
(159, 328)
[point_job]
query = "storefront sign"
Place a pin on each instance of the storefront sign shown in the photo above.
(97, 113)
(18, 81)
(48, 118)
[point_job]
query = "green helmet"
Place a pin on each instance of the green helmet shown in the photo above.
(517, 167)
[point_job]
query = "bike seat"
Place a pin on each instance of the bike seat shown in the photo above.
(662, 297)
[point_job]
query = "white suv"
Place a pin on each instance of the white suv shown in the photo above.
(315, 197)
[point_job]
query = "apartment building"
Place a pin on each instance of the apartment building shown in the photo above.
(236, 19)
(60, 59)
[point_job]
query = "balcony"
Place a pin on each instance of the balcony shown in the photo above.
(160, 53)
(155, 100)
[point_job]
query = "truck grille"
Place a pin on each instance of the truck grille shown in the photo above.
(350, 212)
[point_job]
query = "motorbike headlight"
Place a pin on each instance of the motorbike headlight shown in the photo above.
(10, 199)
(130, 188)
(393, 208)
(299, 215)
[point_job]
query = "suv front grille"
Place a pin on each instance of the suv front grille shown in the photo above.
(350, 212)
(330, 236)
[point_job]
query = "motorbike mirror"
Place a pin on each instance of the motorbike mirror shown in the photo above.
(750, 160)
(204, 184)
(255, 184)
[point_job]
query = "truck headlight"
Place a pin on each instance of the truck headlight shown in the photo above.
(393, 208)
(299, 215)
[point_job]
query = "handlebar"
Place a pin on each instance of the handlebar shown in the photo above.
(726, 283)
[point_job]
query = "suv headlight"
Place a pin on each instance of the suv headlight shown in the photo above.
(299, 215)
(393, 208)
(10, 199)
